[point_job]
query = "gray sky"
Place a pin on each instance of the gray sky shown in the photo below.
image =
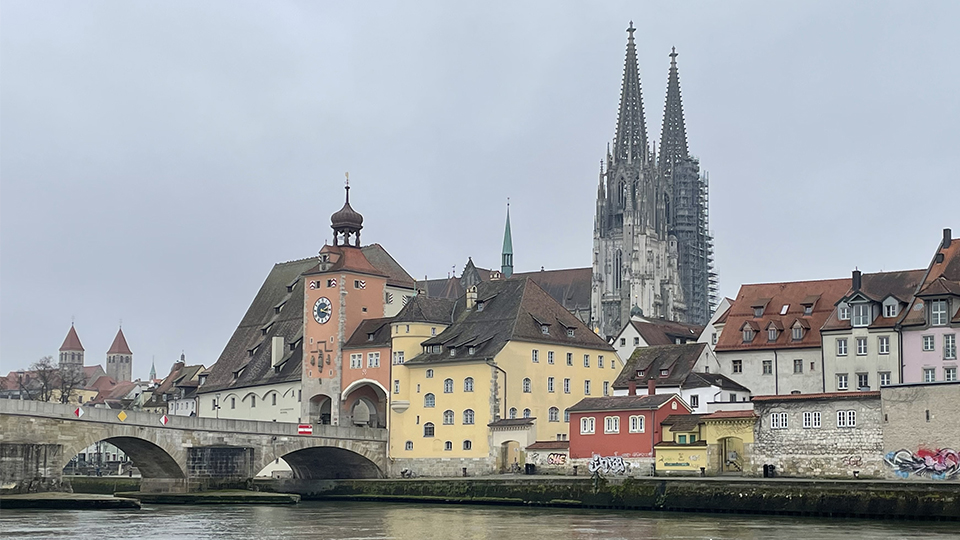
(158, 158)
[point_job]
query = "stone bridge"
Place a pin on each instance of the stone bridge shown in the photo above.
(38, 439)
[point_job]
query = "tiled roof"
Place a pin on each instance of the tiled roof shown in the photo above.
(682, 422)
(550, 445)
(679, 360)
(72, 341)
(621, 403)
(348, 258)
(830, 395)
(370, 333)
(511, 422)
(720, 415)
(877, 287)
(774, 296)
(703, 380)
(942, 278)
(119, 345)
(387, 265)
(421, 308)
(663, 332)
(513, 310)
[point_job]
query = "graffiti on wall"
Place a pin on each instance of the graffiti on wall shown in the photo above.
(939, 464)
(608, 465)
(852, 461)
(556, 459)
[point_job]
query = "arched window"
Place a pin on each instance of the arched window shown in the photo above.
(526, 413)
(468, 384)
(468, 417)
(467, 445)
(617, 270)
(554, 414)
(448, 446)
(566, 415)
(527, 386)
(448, 386)
(408, 446)
(429, 401)
(513, 412)
(428, 430)
(448, 418)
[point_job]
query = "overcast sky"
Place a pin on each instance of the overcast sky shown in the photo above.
(157, 158)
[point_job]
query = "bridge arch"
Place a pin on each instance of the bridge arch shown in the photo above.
(343, 459)
(153, 458)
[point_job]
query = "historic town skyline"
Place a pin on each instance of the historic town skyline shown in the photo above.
(156, 180)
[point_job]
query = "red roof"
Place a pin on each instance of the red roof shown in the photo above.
(119, 344)
(72, 341)
(550, 445)
(731, 414)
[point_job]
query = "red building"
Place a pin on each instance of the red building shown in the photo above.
(624, 426)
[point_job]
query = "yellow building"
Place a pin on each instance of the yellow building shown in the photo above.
(710, 444)
(477, 380)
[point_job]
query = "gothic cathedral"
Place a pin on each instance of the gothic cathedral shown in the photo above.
(652, 249)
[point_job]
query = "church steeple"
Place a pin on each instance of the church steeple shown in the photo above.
(631, 140)
(673, 137)
(506, 258)
(346, 222)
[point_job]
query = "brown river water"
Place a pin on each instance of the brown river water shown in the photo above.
(353, 520)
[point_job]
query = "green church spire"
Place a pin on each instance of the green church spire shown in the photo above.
(153, 370)
(506, 262)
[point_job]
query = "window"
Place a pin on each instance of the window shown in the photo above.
(356, 361)
(468, 417)
(950, 347)
(861, 346)
(273, 399)
(890, 310)
(526, 413)
(694, 401)
(448, 446)
(846, 419)
(843, 313)
(569, 358)
(429, 374)
(613, 364)
(553, 415)
(884, 378)
(550, 384)
(373, 360)
(623, 342)
(545, 329)
(480, 305)
(738, 366)
(566, 386)
(611, 424)
(471, 350)
(842, 347)
(429, 401)
(863, 381)
(682, 439)
(396, 386)
(467, 445)
(798, 366)
(938, 313)
(535, 356)
(929, 375)
(587, 425)
(713, 338)
(586, 360)
(636, 424)
(758, 312)
(448, 418)
(772, 333)
(586, 387)
(606, 388)
(527, 386)
(550, 357)
(448, 386)
(566, 415)
(569, 332)
(408, 446)
(398, 357)
(778, 420)
(253, 402)
(928, 343)
(841, 381)
(861, 315)
(233, 403)
(513, 412)
(797, 333)
(883, 344)
(636, 342)
(433, 330)
(600, 361)
(949, 373)
(747, 335)
(811, 420)
(664, 372)
(768, 367)
(468, 384)
(808, 309)
(428, 430)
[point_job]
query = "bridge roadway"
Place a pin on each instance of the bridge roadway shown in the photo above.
(38, 439)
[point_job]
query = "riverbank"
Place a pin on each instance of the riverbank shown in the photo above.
(797, 497)
(213, 497)
(67, 501)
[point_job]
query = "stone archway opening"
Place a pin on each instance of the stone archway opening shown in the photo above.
(365, 404)
(731, 455)
(511, 458)
(327, 462)
(320, 409)
(124, 456)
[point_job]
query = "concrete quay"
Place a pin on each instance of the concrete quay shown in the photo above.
(66, 501)
(213, 497)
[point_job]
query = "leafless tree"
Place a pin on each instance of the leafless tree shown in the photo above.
(44, 379)
(70, 379)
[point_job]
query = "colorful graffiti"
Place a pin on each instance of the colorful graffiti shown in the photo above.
(556, 459)
(940, 464)
(608, 465)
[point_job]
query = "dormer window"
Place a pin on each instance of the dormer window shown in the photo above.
(758, 312)
(747, 334)
(471, 349)
(797, 333)
(202, 379)
(569, 332)
(453, 351)
(479, 305)
(772, 333)
(843, 313)
(938, 313)
(639, 373)
(861, 315)
(545, 329)
(890, 310)
(370, 336)
(664, 372)
(808, 309)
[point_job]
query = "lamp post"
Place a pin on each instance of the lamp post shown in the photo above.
(20, 382)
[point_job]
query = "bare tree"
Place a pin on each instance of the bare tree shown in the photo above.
(45, 379)
(70, 380)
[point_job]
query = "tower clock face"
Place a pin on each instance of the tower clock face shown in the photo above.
(322, 310)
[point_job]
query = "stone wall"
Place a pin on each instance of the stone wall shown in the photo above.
(609, 466)
(921, 433)
(439, 467)
(825, 452)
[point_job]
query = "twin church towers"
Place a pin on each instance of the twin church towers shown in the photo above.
(652, 248)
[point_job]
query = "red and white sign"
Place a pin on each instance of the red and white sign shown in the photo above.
(164, 420)
(304, 429)
(79, 412)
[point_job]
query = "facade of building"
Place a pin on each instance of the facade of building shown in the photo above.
(120, 359)
(921, 437)
(177, 393)
(771, 335)
(640, 332)
(707, 444)
(652, 250)
(493, 373)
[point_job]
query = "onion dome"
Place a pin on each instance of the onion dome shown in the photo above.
(346, 221)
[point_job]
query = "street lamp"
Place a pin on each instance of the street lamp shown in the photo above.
(20, 382)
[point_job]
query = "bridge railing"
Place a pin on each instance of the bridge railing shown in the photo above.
(140, 418)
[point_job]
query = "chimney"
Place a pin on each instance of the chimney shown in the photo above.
(471, 297)
(651, 386)
(946, 238)
(632, 386)
(856, 280)
(277, 351)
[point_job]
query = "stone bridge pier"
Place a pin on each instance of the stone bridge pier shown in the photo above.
(175, 453)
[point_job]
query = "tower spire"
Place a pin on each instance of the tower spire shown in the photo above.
(673, 137)
(506, 258)
(631, 139)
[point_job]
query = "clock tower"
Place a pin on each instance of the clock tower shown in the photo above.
(342, 290)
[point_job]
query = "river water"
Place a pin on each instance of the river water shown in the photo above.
(352, 520)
